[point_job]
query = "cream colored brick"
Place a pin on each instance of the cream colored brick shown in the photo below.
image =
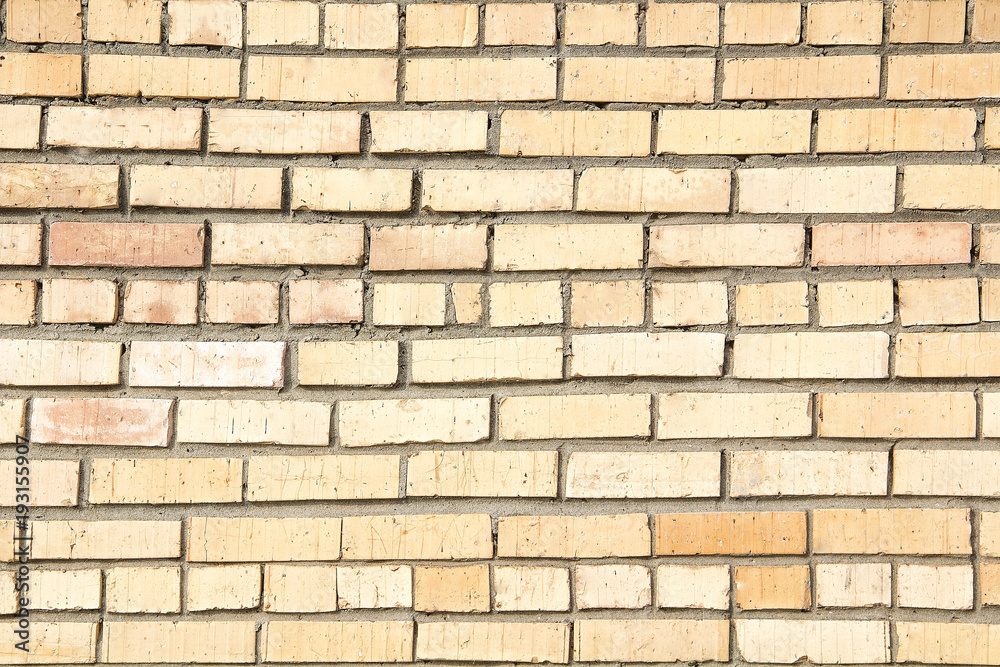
(275, 478)
(801, 78)
(493, 641)
(991, 129)
(17, 301)
(946, 643)
(989, 245)
(52, 642)
(510, 474)
(124, 21)
(44, 21)
(63, 590)
(654, 190)
(271, 22)
(682, 24)
(732, 131)
(280, 243)
(438, 24)
(223, 587)
(986, 21)
(772, 304)
(762, 23)
(619, 303)
(891, 243)
(443, 131)
(653, 80)
(409, 304)
(372, 362)
(892, 531)
(812, 355)
(938, 301)
(21, 244)
(212, 22)
(252, 422)
(737, 533)
(418, 537)
(179, 641)
(322, 79)
(337, 641)
(163, 76)
(143, 590)
(480, 79)
(468, 301)
(619, 535)
(245, 539)
(53, 483)
(853, 584)
(692, 586)
(989, 523)
(942, 76)
(934, 586)
(44, 74)
(817, 190)
(399, 421)
(58, 185)
(808, 473)
(825, 642)
(325, 301)
(967, 354)
(612, 586)
(487, 359)
(152, 128)
(59, 362)
(687, 304)
(649, 640)
(518, 304)
(991, 415)
(67, 300)
(206, 364)
(574, 416)
(951, 187)
(988, 578)
(105, 540)
(543, 247)
(521, 23)
(734, 415)
(161, 302)
(888, 130)
(300, 588)
(428, 247)
(745, 244)
(844, 22)
(241, 302)
(897, 415)
(597, 24)
(361, 26)
(129, 422)
(283, 132)
(323, 189)
(498, 190)
(206, 187)
(854, 302)
(163, 481)
(451, 588)
(670, 354)
(772, 587)
(927, 21)
(578, 133)
(374, 587)
(524, 588)
(643, 475)
(945, 472)
(12, 424)
(990, 299)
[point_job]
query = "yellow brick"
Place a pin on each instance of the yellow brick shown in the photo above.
(934, 586)
(927, 21)
(451, 588)
(990, 300)
(493, 641)
(734, 415)
(153, 128)
(733, 132)
(179, 641)
(772, 304)
(64, 590)
(655, 80)
(59, 362)
(619, 303)
(891, 531)
(145, 590)
(523, 23)
(643, 475)
(206, 187)
(651, 189)
(20, 125)
(762, 23)
(418, 537)
(612, 586)
(991, 415)
(682, 24)
(282, 22)
(438, 24)
(275, 478)
(52, 642)
(53, 483)
(952, 76)
(348, 362)
(596, 24)
(946, 643)
(487, 359)
(574, 416)
(805, 473)
(938, 301)
(223, 587)
(511, 474)
(300, 588)
(889, 130)
(801, 78)
(41, 74)
(468, 301)
(522, 588)
(409, 304)
(671, 354)
(58, 185)
(105, 540)
(518, 304)
(647, 640)
(124, 21)
(844, 22)
(374, 587)
(444, 131)
(164, 481)
(57, 21)
(395, 421)
(276, 243)
(337, 641)
(772, 587)
(951, 187)
(480, 79)
(320, 79)
(539, 247)
(686, 304)
(361, 26)
(967, 354)
(579, 133)
(426, 247)
(211, 22)
(321, 189)
(891, 243)
(818, 190)
(17, 298)
(619, 535)
(853, 584)
(162, 76)
(812, 355)
(244, 539)
(825, 642)
(986, 21)
(897, 415)
(692, 586)
(499, 190)
(745, 244)
(989, 523)
(855, 302)
(284, 132)
(253, 422)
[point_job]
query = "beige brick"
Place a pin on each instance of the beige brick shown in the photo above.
(772, 587)
(337, 641)
(687, 304)
(438, 24)
(855, 302)
(736, 533)
(801, 78)
(824, 642)
(325, 301)
(574, 416)
(124, 21)
(986, 21)
(451, 588)
(58, 185)
(990, 301)
(891, 243)
(52, 642)
(161, 302)
(399, 421)
(322, 189)
(162, 76)
(503, 190)
(989, 583)
(762, 23)
(67, 300)
(166, 481)
(122, 422)
(178, 641)
(734, 415)
(938, 301)
(967, 354)
(126, 244)
(518, 304)
(211, 22)
(418, 537)
(17, 301)
(643, 475)
(927, 21)
(105, 540)
(682, 24)
(817, 190)
(206, 187)
(12, 425)
(300, 588)
(649, 640)
(989, 244)
(654, 190)
(946, 643)
(991, 415)
(844, 22)
(276, 478)
(543, 247)
(468, 301)
(513, 474)
(44, 21)
(428, 247)
(891, 531)
(53, 483)
(692, 586)
(991, 129)
(809, 473)
(745, 244)
(245, 539)
(41, 74)
(63, 590)
(596, 24)
(444, 131)
(493, 641)
(772, 304)
(223, 587)
(487, 359)
(619, 535)
(320, 79)
(409, 304)
(480, 79)
(141, 128)
(21, 244)
(524, 588)
(522, 23)
(283, 132)
(145, 590)
(989, 523)
(897, 415)
(282, 22)
(934, 586)
(363, 362)
(361, 26)
(733, 132)
(612, 586)
(853, 584)
(945, 472)
(282, 243)
(669, 354)
(619, 303)
(206, 364)
(374, 587)
(951, 187)
(59, 362)
(241, 302)
(654, 80)
(577, 133)
(950, 76)
(812, 355)
(889, 130)
(249, 422)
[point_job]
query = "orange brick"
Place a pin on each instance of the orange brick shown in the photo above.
(522, 23)
(897, 415)
(801, 78)
(283, 132)
(952, 76)
(986, 21)
(162, 76)
(938, 301)
(45, 21)
(889, 130)
(428, 247)
(337, 641)
(651, 640)
(17, 301)
(927, 21)
(451, 588)
(41, 74)
(596, 24)
(762, 23)
(682, 24)
(58, 185)
(126, 244)
(844, 22)
(774, 587)
(748, 533)
(21, 244)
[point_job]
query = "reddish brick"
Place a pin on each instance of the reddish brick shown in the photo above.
(122, 422)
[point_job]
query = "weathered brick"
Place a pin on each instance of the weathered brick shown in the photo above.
(946, 643)
(686, 304)
(178, 641)
(986, 21)
(52, 642)
(480, 79)
(543, 247)
(428, 247)
(395, 421)
(574, 416)
(54, 483)
(991, 129)
(734, 415)
(577, 133)
(514, 474)
(897, 415)
(692, 586)
(363, 362)
(824, 642)
(463, 588)
(643, 475)
(854, 302)
(522, 23)
(206, 364)
(325, 301)
(283, 132)
(619, 535)
(889, 130)
(59, 362)
(121, 422)
(649, 640)
(249, 422)
(21, 244)
(374, 587)
(439, 24)
(41, 74)
(772, 587)
(320, 79)
(891, 531)
(951, 187)
(853, 584)
(844, 22)
(282, 22)
(418, 537)
(669, 354)
(654, 190)
(487, 359)
(223, 587)
(941, 21)
(159, 244)
(337, 641)
(812, 355)
(817, 190)
(211, 22)
(20, 125)
(525, 588)
(682, 24)
(618, 303)
(965, 354)
(161, 302)
(989, 244)
(737, 533)
(801, 78)
(946, 76)
(276, 478)
(762, 23)
(612, 586)
(241, 302)
(57, 21)
(162, 76)
(654, 80)
(732, 131)
(493, 641)
(17, 301)
(64, 590)
(105, 540)
(501, 190)
(361, 26)
(934, 586)
(300, 588)
(68, 300)
(244, 539)
(989, 583)
(990, 298)
(444, 131)
(594, 24)
(991, 414)
(205, 187)
(942, 472)
(11, 421)
(468, 301)
(322, 189)
(518, 304)
(808, 473)
(166, 481)
(408, 304)
(891, 243)
(745, 244)
(282, 243)
(989, 525)
(58, 185)
(938, 301)
(772, 304)
(124, 21)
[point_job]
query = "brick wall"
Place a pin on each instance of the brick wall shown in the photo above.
(501, 332)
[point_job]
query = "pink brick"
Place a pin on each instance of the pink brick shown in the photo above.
(206, 364)
(122, 422)
(241, 302)
(161, 302)
(126, 244)
(325, 301)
